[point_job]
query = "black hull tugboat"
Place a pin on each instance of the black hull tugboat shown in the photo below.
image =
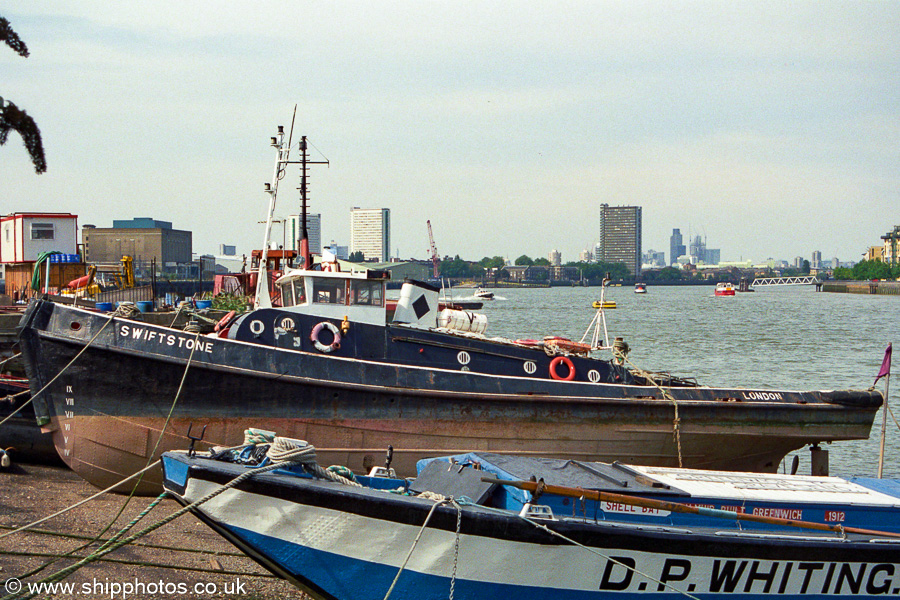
(327, 365)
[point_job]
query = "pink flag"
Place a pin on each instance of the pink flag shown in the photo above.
(885, 364)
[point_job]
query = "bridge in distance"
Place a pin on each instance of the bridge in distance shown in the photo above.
(772, 281)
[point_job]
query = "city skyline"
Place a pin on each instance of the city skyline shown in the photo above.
(506, 128)
(315, 230)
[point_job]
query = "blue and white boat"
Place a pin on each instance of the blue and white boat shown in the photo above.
(463, 530)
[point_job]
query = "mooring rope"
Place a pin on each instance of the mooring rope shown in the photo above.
(610, 558)
(75, 536)
(145, 563)
(137, 483)
(500, 511)
(17, 355)
(63, 370)
(413, 547)
(100, 553)
(676, 424)
(77, 504)
(124, 310)
(283, 453)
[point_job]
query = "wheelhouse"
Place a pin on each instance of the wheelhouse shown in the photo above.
(357, 296)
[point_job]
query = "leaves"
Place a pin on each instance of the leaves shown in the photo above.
(13, 118)
(12, 38)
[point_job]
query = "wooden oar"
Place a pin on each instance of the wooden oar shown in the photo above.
(571, 492)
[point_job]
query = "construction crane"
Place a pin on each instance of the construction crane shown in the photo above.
(435, 259)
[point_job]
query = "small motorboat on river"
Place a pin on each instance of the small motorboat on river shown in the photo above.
(326, 364)
(724, 288)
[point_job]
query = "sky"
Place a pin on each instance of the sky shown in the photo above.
(770, 128)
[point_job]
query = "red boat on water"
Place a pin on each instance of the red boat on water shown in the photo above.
(724, 288)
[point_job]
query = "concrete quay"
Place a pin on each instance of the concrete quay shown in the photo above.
(888, 288)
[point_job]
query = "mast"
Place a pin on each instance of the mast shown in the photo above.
(304, 234)
(282, 150)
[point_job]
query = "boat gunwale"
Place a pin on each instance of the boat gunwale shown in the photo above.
(465, 395)
(704, 541)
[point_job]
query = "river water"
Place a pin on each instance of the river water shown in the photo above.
(779, 338)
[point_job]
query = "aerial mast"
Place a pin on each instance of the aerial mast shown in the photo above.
(304, 234)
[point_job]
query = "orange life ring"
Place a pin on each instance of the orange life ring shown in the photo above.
(562, 360)
(224, 321)
(335, 332)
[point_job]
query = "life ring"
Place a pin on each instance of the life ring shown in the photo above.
(562, 360)
(314, 337)
(224, 321)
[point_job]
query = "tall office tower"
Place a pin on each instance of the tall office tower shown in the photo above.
(620, 236)
(370, 232)
(697, 250)
(676, 246)
(555, 257)
(313, 231)
(816, 262)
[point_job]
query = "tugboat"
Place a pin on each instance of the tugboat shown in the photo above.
(322, 362)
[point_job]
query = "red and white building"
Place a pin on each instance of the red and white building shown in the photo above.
(24, 236)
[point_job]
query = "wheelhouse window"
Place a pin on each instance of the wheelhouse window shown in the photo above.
(287, 296)
(293, 292)
(42, 231)
(329, 291)
(367, 293)
(299, 291)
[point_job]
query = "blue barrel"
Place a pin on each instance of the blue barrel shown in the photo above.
(104, 306)
(145, 306)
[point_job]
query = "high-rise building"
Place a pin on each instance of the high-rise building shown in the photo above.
(654, 259)
(676, 247)
(555, 257)
(370, 232)
(620, 236)
(313, 231)
(816, 262)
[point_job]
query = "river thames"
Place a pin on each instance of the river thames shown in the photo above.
(779, 338)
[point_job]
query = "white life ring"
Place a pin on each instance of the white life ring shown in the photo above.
(314, 337)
